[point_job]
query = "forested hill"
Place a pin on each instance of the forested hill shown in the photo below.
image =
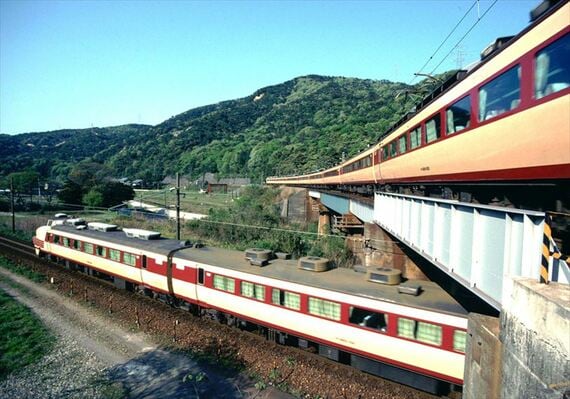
(300, 125)
(52, 154)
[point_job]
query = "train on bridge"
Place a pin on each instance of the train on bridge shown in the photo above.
(498, 133)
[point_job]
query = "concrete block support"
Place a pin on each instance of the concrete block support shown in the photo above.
(535, 332)
(385, 251)
(324, 223)
(483, 358)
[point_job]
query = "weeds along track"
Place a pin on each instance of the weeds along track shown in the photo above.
(287, 368)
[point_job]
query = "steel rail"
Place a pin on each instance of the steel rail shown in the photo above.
(15, 245)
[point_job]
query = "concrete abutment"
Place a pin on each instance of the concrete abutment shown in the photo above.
(526, 352)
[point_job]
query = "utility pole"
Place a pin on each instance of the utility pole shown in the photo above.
(12, 204)
(177, 206)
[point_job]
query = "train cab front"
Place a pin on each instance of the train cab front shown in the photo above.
(39, 239)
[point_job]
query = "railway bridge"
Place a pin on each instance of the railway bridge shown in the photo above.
(504, 256)
(481, 247)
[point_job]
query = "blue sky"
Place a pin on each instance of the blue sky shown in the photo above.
(76, 64)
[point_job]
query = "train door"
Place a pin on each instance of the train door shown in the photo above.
(199, 282)
(143, 267)
(200, 276)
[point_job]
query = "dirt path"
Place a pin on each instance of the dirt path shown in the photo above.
(94, 358)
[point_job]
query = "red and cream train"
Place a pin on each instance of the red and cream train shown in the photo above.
(417, 339)
(501, 129)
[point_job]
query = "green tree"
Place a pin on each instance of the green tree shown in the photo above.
(24, 182)
(89, 174)
(93, 198)
(71, 193)
(114, 193)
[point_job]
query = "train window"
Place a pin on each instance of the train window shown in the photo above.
(101, 251)
(406, 328)
(77, 244)
(224, 283)
(292, 301)
(459, 340)
(129, 259)
(56, 239)
(115, 255)
(552, 68)
(87, 248)
(416, 137)
(276, 297)
(321, 307)
(284, 298)
(393, 149)
(259, 292)
(428, 333)
(500, 95)
(402, 144)
(433, 129)
(458, 115)
(65, 242)
(251, 290)
(385, 153)
(368, 318)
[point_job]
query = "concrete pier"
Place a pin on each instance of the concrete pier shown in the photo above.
(483, 358)
(525, 354)
(535, 332)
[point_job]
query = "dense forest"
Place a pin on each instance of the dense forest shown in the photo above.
(307, 123)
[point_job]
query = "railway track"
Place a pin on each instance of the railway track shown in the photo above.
(280, 366)
(17, 246)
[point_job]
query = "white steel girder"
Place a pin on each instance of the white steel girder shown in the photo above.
(480, 246)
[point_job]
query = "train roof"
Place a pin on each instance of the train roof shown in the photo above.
(161, 246)
(342, 280)
(347, 281)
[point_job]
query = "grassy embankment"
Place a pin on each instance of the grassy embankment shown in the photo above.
(23, 337)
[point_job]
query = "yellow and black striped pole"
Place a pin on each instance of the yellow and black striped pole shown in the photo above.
(547, 243)
(546, 238)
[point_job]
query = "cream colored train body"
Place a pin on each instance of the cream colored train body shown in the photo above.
(517, 130)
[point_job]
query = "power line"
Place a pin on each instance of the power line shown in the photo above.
(463, 37)
(444, 40)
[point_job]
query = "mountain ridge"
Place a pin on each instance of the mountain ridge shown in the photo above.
(306, 123)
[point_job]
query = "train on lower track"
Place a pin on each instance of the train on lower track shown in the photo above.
(412, 332)
(496, 133)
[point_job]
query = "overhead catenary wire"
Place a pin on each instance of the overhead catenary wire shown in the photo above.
(476, 2)
(463, 37)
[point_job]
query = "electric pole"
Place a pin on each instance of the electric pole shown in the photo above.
(177, 206)
(12, 204)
